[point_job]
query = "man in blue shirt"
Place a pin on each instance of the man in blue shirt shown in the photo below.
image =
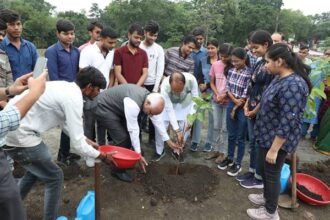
(22, 54)
(197, 54)
(63, 64)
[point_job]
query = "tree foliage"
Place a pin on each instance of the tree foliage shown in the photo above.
(226, 20)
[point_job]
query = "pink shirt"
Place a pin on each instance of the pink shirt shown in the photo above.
(217, 71)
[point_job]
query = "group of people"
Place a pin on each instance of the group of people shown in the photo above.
(100, 94)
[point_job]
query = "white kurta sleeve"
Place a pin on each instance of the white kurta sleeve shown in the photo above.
(132, 111)
(170, 111)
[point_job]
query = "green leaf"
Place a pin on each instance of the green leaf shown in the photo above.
(200, 116)
(191, 118)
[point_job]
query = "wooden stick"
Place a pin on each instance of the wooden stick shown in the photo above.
(294, 181)
(97, 175)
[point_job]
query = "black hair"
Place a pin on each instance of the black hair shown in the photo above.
(226, 49)
(3, 25)
(64, 25)
(198, 31)
(249, 36)
(303, 47)
(213, 42)
(178, 77)
(9, 16)
(109, 32)
(152, 27)
(94, 24)
(189, 39)
(291, 59)
(90, 75)
(136, 27)
(261, 37)
(240, 53)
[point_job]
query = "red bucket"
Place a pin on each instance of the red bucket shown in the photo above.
(313, 185)
(124, 158)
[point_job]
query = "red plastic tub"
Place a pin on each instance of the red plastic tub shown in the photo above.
(124, 158)
(313, 185)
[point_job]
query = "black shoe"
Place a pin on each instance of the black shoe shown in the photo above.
(234, 169)
(122, 175)
(74, 156)
(67, 161)
(178, 157)
(157, 157)
(225, 163)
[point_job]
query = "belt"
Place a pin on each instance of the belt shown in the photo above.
(5, 147)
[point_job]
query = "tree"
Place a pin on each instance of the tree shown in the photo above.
(295, 24)
(95, 12)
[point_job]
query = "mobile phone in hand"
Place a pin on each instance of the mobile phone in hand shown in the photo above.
(41, 64)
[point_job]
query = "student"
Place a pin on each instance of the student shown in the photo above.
(278, 124)
(237, 83)
(203, 79)
(260, 42)
(94, 30)
(131, 62)
(179, 59)
(63, 64)
(220, 101)
(22, 54)
(62, 105)
(156, 64)
(303, 54)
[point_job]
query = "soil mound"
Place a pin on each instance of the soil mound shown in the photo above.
(320, 170)
(191, 182)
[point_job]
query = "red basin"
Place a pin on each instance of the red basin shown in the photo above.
(124, 158)
(314, 185)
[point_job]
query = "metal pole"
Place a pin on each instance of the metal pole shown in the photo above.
(97, 175)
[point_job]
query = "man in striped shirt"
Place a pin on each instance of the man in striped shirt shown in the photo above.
(179, 59)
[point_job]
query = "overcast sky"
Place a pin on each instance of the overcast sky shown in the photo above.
(308, 7)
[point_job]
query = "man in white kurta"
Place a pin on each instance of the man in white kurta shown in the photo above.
(178, 91)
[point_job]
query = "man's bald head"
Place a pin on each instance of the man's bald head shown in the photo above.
(153, 104)
(177, 81)
(277, 38)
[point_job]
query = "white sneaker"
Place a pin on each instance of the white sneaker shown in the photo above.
(257, 199)
(262, 214)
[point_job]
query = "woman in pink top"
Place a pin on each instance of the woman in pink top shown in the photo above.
(220, 100)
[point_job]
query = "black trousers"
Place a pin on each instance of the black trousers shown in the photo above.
(151, 127)
(64, 150)
(271, 176)
(11, 206)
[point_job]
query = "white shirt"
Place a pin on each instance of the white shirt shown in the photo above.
(156, 64)
(92, 56)
(60, 105)
(132, 111)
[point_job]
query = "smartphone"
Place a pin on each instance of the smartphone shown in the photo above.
(41, 64)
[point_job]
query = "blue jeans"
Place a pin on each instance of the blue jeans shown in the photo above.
(236, 133)
(196, 134)
(254, 168)
(39, 166)
(219, 130)
(305, 127)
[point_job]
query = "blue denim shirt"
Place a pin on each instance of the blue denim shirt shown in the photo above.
(62, 65)
(281, 112)
(196, 56)
(21, 60)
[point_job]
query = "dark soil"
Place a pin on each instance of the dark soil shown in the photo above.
(192, 183)
(308, 193)
(320, 170)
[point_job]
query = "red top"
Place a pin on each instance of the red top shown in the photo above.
(131, 65)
